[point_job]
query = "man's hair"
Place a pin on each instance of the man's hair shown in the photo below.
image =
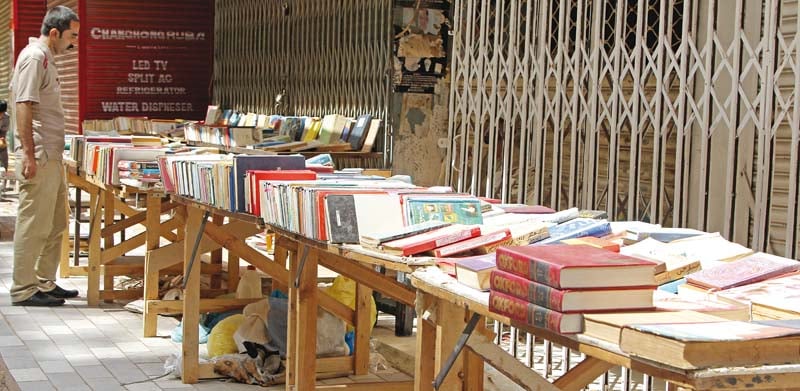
(3, 106)
(58, 17)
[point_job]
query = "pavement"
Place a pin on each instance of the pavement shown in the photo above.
(75, 347)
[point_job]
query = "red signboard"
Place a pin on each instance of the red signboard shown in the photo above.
(27, 18)
(148, 58)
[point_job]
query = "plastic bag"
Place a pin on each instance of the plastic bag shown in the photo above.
(220, 340)
(254, 325)
(344, 291)
(249, 285)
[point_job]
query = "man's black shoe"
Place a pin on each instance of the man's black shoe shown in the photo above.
(61, 293)
(40, 299)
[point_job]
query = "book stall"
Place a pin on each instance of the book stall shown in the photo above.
(678, 304)
(681, 305)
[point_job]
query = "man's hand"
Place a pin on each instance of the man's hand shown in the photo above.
(28, 167)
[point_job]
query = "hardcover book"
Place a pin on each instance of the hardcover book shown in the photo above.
(712, 344)
(485, 242)
(376, 239)
(752, 268)
(474, 271)
(577, 228)
(565, 266)
(430, 240)
(342, 220)
(244, 163)
(607, 326)
(567, 300)
(450, 209)
(531, 314)
(359, 131)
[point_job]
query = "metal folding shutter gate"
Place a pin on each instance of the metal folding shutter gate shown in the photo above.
(68, 76)
(6, 60)
(684, 113)
(320, 57)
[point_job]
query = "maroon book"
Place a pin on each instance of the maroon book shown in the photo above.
(571, 300)
(531, 314)
(578, 267)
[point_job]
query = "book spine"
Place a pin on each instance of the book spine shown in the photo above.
(524, 312)
(541, 295)
(533, 270)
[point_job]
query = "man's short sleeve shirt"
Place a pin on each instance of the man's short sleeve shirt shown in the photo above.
(35, 80)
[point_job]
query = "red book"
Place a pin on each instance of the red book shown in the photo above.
(752, 268)
(583, 300)
(254, 177)
(476, 242)
(564, 266)
(430, 240)
(534, 315)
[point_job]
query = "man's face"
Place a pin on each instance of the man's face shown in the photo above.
(65, 40)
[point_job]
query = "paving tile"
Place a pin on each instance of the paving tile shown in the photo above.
(15, 352)
(13, 310)
(10, 340)
(61, 366)
(124, 370)
(105, 385)
(80, 324)
(107, 352)
(132, 347)
(42, 385)
(32, 335)
(93, 372)
(57, 330)
(152, 369)
(170, 384)
(29, 374)
(77, 360)
(144, 358)
(44, 350)
(148, 386)
(67, 381)
(22, 363)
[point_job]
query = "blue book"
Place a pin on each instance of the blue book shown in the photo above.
(672, 286)
(576, 228)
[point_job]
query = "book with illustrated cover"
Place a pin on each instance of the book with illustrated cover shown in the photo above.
(752, 268)
(665, 301)
(449, 209)
(577, 228)
(608, 326)
(564, 266)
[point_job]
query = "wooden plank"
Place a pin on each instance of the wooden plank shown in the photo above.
(473, 364)
(369, 277)
(191, 300)
(583, 374)
(514, 369)
(291, 330)
(108, 242)
(305, 359)
(449, 324)
(363, 328)
(138, 218)
(204, 305)
(216, 255)
(173, 253)
(233, 272)
(342, 364)
(756, 379)
(241, 249)
(121, 294)
(93, 277)
(122, 207)
(382, 386)
(112, 253)
(426, 346)
(155, 207)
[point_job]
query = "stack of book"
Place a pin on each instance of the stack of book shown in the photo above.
(139, 173)
(551, 286)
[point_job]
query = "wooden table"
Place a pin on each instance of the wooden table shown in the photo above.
(106, 201)
(444, 305)
(294, 268)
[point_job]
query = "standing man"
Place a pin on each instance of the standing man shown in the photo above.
(39, 145)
